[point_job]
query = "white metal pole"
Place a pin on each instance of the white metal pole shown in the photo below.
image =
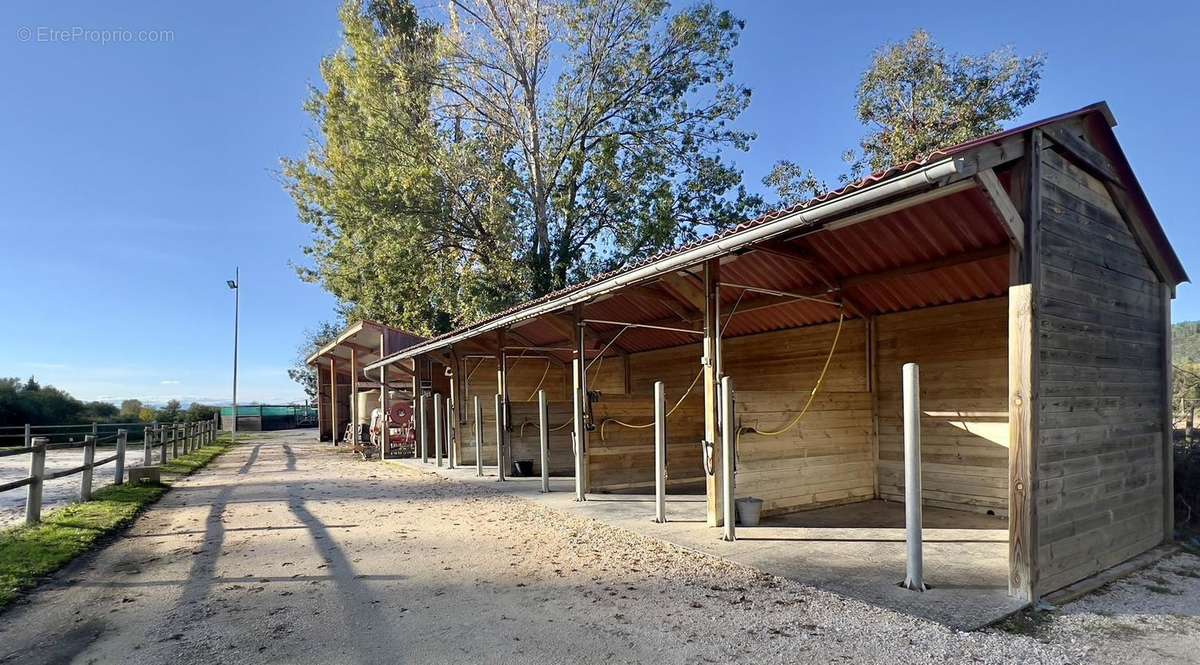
(422, 430)
(544, 438)
(727, 440)
(438, 414)
(577, 433)
(914, 580)
(237, 308)
(478, 437)
(660, 453)
(499, 437)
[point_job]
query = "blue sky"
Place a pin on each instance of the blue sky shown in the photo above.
(136, 175)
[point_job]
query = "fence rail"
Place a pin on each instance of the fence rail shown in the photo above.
(165, 439)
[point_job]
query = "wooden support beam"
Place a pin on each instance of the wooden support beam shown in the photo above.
(1082, 153)
(712, 481)
(1023, 386)
(1003, 206)
(333, 400)
(1168, 449)
(684, 289)
(579, 401)
(354, 397)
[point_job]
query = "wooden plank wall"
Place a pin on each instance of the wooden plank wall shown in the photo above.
(524, 377)
(1099, 311)
(827, 459)
(963, 353)
(622, 458)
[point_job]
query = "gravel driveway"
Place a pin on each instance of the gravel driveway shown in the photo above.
(285, 551)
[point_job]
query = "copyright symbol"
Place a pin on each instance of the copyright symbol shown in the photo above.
(24, 33)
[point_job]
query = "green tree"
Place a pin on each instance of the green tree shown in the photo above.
(131, 408)
(169, 413)
(197, 412)
(314, 338)
(519, 147)
(916, 98)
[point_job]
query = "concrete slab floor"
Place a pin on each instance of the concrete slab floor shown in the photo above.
(856, 550)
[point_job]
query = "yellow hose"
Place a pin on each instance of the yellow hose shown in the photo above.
(820, 379)
(687, 392)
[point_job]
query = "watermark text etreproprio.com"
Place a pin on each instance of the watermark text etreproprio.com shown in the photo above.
(78, 33)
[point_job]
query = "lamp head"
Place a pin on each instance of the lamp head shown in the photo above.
(232, 284)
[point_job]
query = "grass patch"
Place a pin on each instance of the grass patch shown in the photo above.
(28, 553)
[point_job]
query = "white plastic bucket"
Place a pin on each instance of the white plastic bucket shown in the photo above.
(749, 509)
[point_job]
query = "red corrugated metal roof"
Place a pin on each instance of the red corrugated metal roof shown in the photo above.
(944, 227)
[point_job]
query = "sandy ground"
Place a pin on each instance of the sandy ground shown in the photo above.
(286, 552)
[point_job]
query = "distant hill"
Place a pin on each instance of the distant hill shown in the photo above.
(1185, 342)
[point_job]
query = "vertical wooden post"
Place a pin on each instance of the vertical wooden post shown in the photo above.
(322, 415)
(499, 437)
(503, 441)
(147, 443)
(872, 326)
(478, 438)
(28, 436)
(355, 416)
(385, 436)
(450, 431)
(1168, 466)
(119, 464)
(422, 428)
(544, 439)
(333, 400)
(176, 431)
(660, 453)
(37, 473)
(728, 440)
(712, 451)
(579, 400)
(1023, 361)
(85, 478)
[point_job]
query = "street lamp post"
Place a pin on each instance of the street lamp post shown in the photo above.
(234, 284)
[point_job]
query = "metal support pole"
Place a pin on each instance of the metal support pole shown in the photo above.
(422, 430)
(37, 472)
(438, 414)
(544, 438)
(579, 399)
(914, 580)
(727, 481)
(478, 437)
(660, 453)
(499, 437)
(450, 433)
(85, 478)
(119, 468)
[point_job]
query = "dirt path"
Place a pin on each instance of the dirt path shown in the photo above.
(286, 552)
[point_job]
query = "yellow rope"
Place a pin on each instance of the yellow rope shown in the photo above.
(820, 379)
(687, 392)
(540, 382)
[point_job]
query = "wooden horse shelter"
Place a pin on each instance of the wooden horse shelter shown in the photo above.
(1026, 274)
(340, 379)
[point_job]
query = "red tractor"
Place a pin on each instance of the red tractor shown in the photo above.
(402, 432)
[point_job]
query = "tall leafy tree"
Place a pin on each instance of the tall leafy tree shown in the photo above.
(915, 98)
(314, 338)
(512, 148)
